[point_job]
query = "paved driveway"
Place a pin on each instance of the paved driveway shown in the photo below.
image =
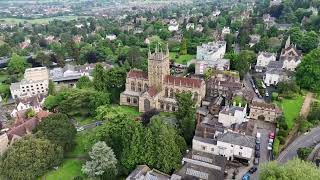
(305, 140)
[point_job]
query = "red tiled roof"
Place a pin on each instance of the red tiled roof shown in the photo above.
(182, 81)
(137, 74)
(152, 91)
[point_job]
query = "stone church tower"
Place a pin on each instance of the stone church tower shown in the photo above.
(158, 67)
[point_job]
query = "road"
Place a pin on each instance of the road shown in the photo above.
(305, 140)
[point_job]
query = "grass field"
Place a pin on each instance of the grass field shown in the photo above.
(69, 169)
(183, 59)
(291, 108)
(38, 21)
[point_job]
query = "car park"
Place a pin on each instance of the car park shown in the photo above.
(253, 169)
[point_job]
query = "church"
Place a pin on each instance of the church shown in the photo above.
(156, 88)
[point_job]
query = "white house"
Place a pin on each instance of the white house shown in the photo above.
(274, 76)
(231, 145)
(199, 28)
(33, 103)
(219, 64)
(263, 60)
(226, 30)
(111, 37)
(232, 115)
(190, 26)
(216, 13)
(173, 25)
(211, 50)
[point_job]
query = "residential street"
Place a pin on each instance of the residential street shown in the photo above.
(305, 140)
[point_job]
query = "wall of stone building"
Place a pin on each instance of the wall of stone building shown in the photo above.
(269, 115)
(124, 100)
(132, 84)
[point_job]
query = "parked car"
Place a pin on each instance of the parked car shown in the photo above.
(271, 135)
(256, 161)
(246, 176)
(253, 169)
(269, 146)
(98, 123)
(258, 135)
(257, 141)
(257, 154)
(257, 147)
(267, 94)
(270, 140)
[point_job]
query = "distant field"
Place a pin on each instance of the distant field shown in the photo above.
(38, 21)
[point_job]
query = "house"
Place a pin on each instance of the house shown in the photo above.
(225, 30)
(263, 60)
(275, 75)
(190, 26)
(199, 28)
(275, 3)
(218, 64)
(77, 39)
(36, 81)
(230, 115)
(268, 20)
(254, 39)
(156, 88)
(111, 37)
(201, 165)
(33, 103)
(173, 25)
(232, 145)
(283, 27)
(143, 172)
(260, 110)
(216, 13)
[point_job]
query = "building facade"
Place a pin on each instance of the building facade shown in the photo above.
(35, 82)
(156, 89)
(211, 51)
(264, 111)
(263, 60)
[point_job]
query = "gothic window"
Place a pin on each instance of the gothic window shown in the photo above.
(166, 92)
(139, 87)
(135, 101)
(133, 88)
(177, 91)
(168, 107)
(146, 87)
(128, 100)
(171, 93)
(173, 108)
(161, 106)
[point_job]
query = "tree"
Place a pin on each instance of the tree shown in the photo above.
(51, 88)
(304, 152)
(183, 47)
(84, 82)
(186, 115)
(103, 160)
(293, 169)
(308, 71)
(5, 50)
(99, 78)
(30, 158)
(43, 59)
(30, 113)
(288, 88)
(58, 129)
(51, 102)
(17, 64)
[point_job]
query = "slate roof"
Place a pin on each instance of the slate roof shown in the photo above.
(237, 139)
(231, 110)
(152, 91)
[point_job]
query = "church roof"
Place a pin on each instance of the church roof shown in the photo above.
(137, 74)
(152, 91)
(182, 81)
(288, 49)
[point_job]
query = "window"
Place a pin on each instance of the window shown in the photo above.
(27, 86)
(203, 148)
(161, 106)
(146, 87)
(212, 149)
(135, 101)
(168, 107)
(128, 100)
(171, 93)
(173, 108)
(133, 88)
(241, 147)
(231, 145)
(24, 91)
(166, 92)
(139, 87)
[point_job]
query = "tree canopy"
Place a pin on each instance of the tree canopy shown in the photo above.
(58, 129)
(30, 158)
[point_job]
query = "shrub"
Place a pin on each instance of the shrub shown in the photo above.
(276, 145)
(283, 133)
(304, 152)
(304, 126)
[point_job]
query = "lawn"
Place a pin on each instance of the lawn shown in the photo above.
(38, 21)
(3, 77)
(291, 108)
(182, 59)
(68, 170)
(128, 110)
(81, 143)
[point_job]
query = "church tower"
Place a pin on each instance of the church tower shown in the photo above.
(288, 43)
(158, 67)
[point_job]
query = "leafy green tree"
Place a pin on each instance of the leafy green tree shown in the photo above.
(5, 50)
(30, 113)
(308, 71)
(51, 102)
(184, 47)
(288, 88)
(102, 160)
(293, 169)
(30, 158)
(51, 88)
(58, 129)
(43, 59)
(84, 82)
(99, 78)
(17, 64)
(186, 115)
